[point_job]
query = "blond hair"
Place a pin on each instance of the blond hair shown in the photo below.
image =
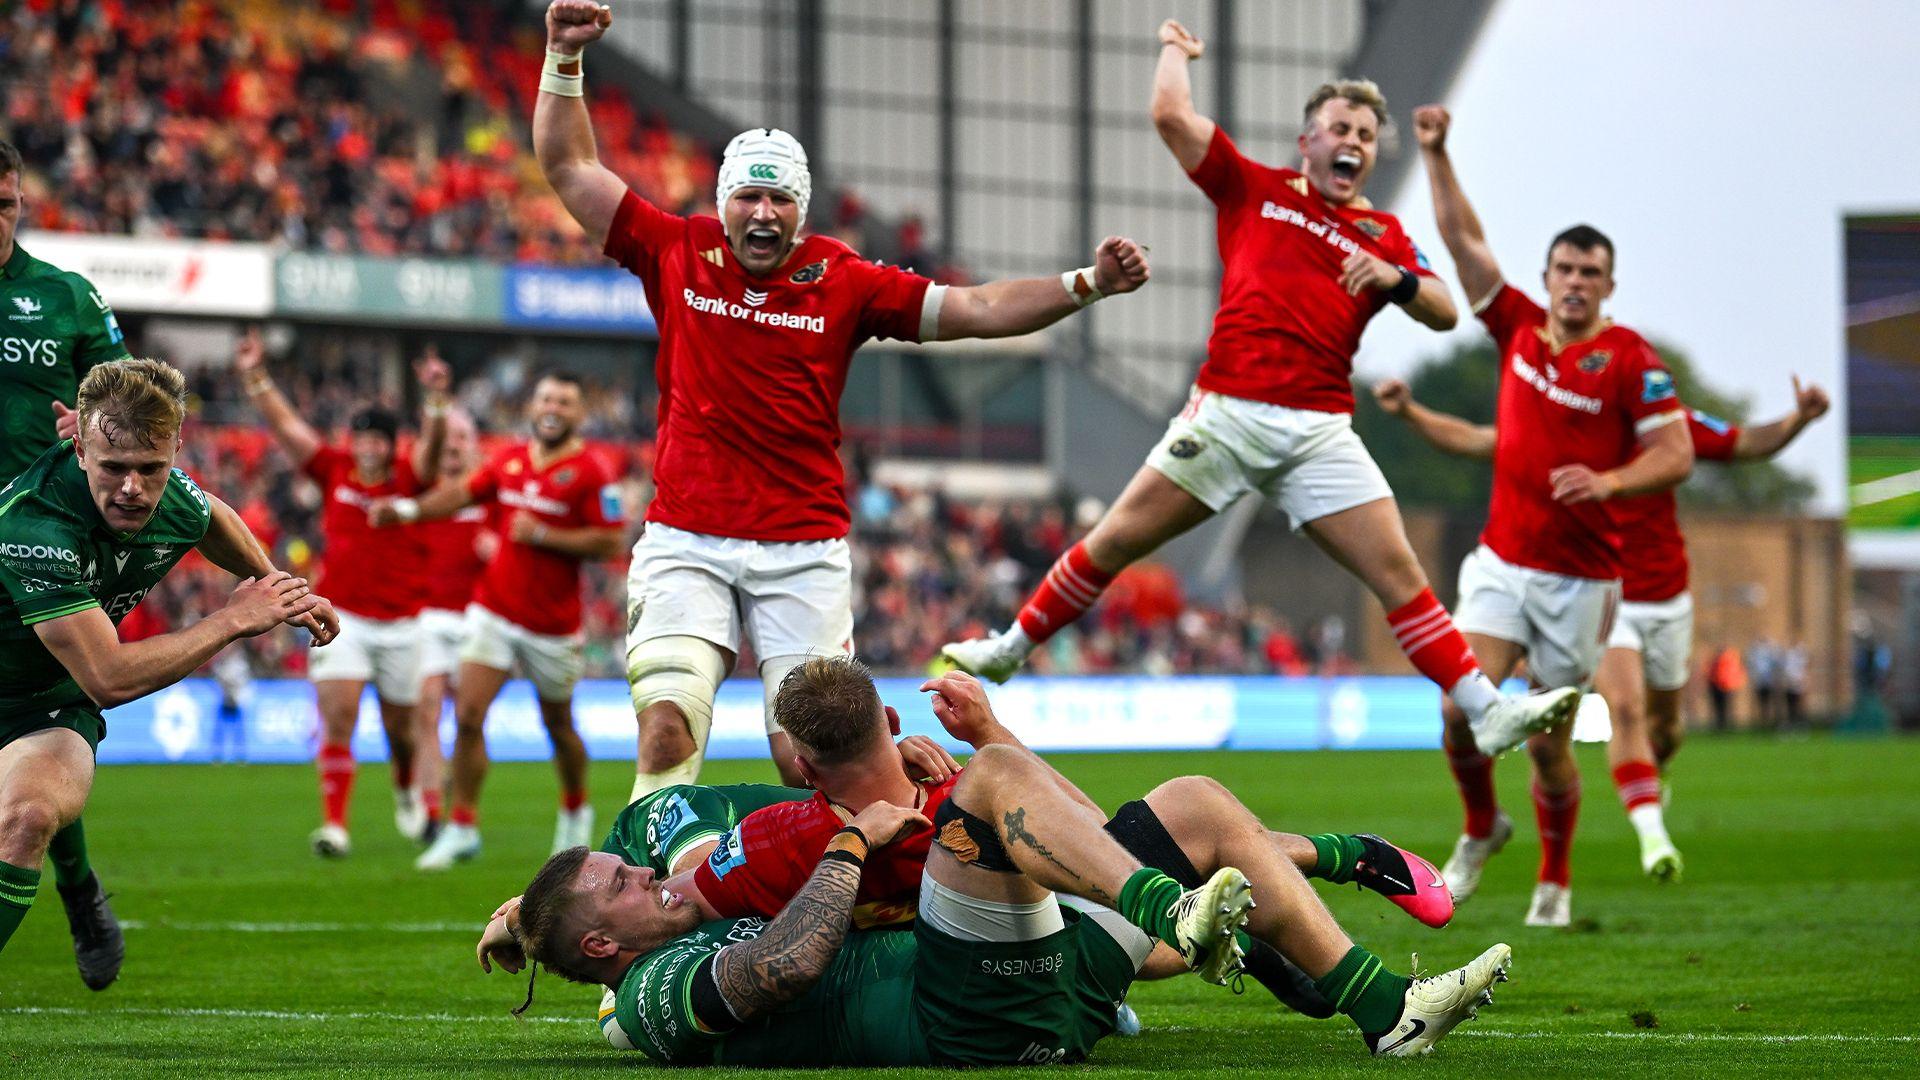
(829, 707)
(142, 400)
(1358, 91)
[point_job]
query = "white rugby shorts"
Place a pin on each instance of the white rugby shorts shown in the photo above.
(384, 652)
(790, 598)
(1561, 621)
(1309, 464)
(1662, 633)
(441, 634)
(552, 662)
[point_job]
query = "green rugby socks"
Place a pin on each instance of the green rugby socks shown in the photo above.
(69, 854)
(18, 884)
(1146, 901)
(1362, 987)
(1336, 854)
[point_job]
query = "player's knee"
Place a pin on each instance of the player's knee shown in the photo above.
(1550, 754)
(673, 681)
(27, 825)
(665, 740)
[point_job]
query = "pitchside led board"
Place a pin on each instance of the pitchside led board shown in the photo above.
(1883, 388)
(275, 720)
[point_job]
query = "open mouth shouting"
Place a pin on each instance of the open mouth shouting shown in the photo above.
(761, 243)
(1347, 166)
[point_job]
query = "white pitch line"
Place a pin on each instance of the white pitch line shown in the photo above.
(306, 927)
(277, 1014)
(1692, 1036)
(1887, 487)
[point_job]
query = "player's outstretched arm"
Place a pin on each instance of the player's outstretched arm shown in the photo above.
(231, 546)
(795, 949)
(959, 702)
(591, 542)
(1810, 403)
(1446, 432)
(1022, 305)
(442, 502)
(294, 434)
(1184, 130)
(562, 130)
(1665, 459)
(436, 380)
(112, 672)
(1459, 225)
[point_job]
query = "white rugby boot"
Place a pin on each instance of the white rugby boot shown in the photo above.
(1507, 723)
(1552, 905)
(1470, 855)
(1437, 1004)
(995, 657)
(330, 842)
(409, 813)
(456, 843)
(573, 828)
(1204, 921)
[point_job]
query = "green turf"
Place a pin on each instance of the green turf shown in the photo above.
(1792, 947)
(1876, 457)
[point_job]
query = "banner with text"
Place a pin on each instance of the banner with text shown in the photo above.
(592, 300)
(136, 274)
(358, 288)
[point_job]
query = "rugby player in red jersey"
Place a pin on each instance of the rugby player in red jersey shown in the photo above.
(1307, 263)
(1650, 652)
(372, 578)
(457, 551)
(1587, 414)
(746, 536)
(526, 608)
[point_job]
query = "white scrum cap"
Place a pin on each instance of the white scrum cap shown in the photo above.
(768, 158)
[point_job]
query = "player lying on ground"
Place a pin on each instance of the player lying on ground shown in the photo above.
(1307, 263)
(377, 581)
(746, 535)
(85, 532)
(1195, 825)
(841, 730)
(526, 610)
(1587, 415)
(1649, 654)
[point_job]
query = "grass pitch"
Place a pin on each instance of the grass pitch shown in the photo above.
(1792, 947)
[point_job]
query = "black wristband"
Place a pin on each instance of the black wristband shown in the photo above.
(843, 855)
(855, 830)
(1408, 288)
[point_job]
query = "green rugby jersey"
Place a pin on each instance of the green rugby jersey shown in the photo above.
(53, 327)
(656, 829)
(58, 557)
(861, 1012)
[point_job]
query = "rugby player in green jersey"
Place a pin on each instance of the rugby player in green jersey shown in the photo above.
(85, 532)
(53, 327)
(997, 970)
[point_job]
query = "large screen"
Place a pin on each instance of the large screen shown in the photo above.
(1883, 386)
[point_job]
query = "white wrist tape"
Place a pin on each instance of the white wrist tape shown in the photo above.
(1079, 286)
(407, 509)
(564, 75)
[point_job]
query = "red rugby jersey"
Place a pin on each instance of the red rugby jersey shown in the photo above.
(750, 371)
(374, 573)
(531, 586)
(766, 859)
(1654, 563)
(1582, 403)
(1286, 330)
(453, 566)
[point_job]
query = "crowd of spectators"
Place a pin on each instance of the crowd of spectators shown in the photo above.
(383, 127)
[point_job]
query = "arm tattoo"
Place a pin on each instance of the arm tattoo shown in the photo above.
(1016, 823)
(791, 954)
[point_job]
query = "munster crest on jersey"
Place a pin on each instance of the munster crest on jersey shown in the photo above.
(811, 272)
(563, 477)
(1370, 226)
(1596, 361)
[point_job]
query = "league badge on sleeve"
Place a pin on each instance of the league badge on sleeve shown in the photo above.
(1655, 385)
(610, 507)
(727, 854)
